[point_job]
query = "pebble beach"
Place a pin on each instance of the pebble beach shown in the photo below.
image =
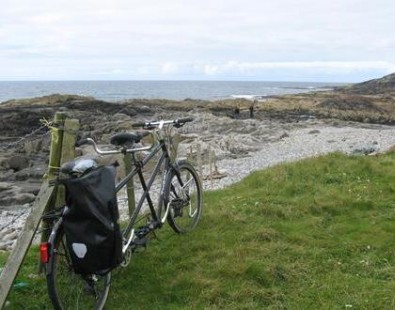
(308, 142)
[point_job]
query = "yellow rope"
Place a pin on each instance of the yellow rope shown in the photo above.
(46, 123)
(53, 167)
(51, 126)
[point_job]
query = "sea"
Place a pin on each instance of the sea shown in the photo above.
(114, 91)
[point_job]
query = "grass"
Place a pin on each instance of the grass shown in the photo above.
(315, 234)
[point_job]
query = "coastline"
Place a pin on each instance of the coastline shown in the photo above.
(117, 91)
(283, 129)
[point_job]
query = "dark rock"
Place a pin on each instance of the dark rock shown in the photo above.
(284, 135)
(12, 194)
(13, 197)
(5, 186)
(7, 175)
(17, 162)
(36, 173)
(119, 117)
(23, 198)
(366, 150)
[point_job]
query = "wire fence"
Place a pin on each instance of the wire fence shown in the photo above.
(14, 219)
(36, 134)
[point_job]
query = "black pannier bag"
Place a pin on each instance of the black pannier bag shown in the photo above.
(91, 224)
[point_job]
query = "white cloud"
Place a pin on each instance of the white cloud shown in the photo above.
(169, 68)
(196, 39)
(45, 19)
(303, 70)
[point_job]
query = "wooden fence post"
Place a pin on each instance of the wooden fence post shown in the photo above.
(67, 152)
(63, 136)
(127, 159)
(210, 163)
(43, 201)
(56, 145)
(199, 159)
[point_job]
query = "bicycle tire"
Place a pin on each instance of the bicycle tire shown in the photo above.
(183, 192)
(68, 290)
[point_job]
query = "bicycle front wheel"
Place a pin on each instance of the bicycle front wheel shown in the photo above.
(183, 196)
(68, 290)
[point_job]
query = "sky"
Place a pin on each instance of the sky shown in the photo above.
(257, 40)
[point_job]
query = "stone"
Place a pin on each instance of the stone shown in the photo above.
(5, 186)
(11, 236)
(2, 235)
(23, 198)
(8, 175)
(284, 135)
(120, 117)
(366, 150)
(30, 173)
(17, 162)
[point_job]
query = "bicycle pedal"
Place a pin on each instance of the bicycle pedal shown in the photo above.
(141, 242)
(142, 232)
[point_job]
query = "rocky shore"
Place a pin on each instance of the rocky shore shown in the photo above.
(241, 144)
(238, 154)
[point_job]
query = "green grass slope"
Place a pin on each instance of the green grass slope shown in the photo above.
(315, 234)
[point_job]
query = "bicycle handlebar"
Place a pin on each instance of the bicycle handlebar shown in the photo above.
(146, 125)
(176, 122)
(109, 152)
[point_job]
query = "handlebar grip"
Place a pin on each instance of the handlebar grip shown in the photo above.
(81, 142)
(184, 120)
(137, 125)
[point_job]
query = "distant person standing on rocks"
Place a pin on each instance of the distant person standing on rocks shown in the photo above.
(237, 111)
(252, 109)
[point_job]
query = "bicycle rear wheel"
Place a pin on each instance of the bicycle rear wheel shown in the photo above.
(68, 290)
(184, 196)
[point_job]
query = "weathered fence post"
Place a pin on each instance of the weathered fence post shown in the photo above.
(127, 159)
(44, 200)
(56, 145)
(63, 136)
(199, 159)
(210, 162)
(70, 129)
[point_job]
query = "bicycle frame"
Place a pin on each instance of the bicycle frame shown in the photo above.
(138, 170)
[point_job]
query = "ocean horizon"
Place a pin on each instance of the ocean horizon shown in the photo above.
(173, 90)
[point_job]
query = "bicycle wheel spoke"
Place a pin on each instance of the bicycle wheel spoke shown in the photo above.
(187, 184)
(184, 194)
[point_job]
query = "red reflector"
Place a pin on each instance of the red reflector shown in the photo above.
(44, 252)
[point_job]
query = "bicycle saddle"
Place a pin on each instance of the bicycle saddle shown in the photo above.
(122, 138)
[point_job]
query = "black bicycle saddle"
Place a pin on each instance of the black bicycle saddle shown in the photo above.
(122, 138)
